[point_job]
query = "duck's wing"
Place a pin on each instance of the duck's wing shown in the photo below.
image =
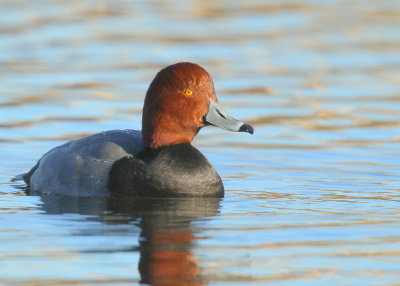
(80, 167)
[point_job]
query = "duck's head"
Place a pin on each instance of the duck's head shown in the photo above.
(179, 102)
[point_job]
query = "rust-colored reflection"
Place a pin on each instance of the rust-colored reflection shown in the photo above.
(167, 238)
(166, 258)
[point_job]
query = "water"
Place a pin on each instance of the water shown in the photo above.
(312, 197)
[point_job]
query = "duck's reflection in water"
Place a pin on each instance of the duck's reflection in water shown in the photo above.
(167, 231)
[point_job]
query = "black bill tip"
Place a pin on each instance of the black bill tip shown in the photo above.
(246, 128)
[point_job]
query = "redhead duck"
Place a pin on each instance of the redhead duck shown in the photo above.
(158, 161)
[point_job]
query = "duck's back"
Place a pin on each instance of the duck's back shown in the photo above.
(80, 167)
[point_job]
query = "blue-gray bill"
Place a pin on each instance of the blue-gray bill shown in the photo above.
(217, 116)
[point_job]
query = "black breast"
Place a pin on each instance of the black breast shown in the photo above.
(171, 171)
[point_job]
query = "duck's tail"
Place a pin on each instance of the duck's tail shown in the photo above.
(19, 178)
(25, 177)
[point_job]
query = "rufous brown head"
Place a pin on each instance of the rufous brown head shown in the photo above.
(179, 102)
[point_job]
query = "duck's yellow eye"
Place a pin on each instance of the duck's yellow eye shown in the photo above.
(188, 91)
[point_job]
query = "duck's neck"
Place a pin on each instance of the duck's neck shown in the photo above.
(158, 137)
(165, 139)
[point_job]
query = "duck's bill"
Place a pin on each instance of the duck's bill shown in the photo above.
(217, 116)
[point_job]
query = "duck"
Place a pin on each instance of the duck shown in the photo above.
(158, 161)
